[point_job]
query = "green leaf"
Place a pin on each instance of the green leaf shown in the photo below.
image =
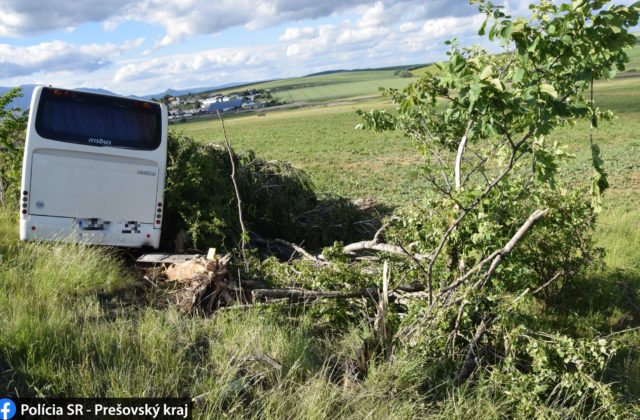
(498, 85)
(549, 90)
(507, 29)
(492, 32)
(486, 73)
(483, 27)
(474, 92)
(518, 74)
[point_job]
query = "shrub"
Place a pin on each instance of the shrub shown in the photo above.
(278, 200)
(13, 123)
(403, 73)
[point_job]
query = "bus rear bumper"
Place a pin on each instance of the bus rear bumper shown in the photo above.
(92, 231)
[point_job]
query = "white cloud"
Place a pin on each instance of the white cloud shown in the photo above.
(451, 26)
(376, 34)
(204, 65)
(324, 36)
(373, 17)
(380, 33)
(408, 27)
(296, 34)
(58, 56)
(358, 35)
(182, 19)
(23, 17)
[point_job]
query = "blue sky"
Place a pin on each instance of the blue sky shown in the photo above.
(147, 46)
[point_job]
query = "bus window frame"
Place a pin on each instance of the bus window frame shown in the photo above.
(103, 100)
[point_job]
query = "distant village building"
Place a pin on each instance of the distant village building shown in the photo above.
(224, 106)
(252, 104)
(211, 100)
(181, 108)
(222, 103)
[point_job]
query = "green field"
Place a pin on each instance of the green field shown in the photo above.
(323, 141)
(328, 87)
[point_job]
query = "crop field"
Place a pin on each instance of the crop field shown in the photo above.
(327, 87)
(324, 142)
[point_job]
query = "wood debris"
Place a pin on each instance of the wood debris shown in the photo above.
(200, 285)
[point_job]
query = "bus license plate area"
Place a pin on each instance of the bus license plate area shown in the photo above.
(115, 233)
(93, 224)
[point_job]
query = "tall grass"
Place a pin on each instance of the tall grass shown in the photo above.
(68, 328)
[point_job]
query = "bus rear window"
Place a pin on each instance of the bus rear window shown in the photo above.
(98, 120)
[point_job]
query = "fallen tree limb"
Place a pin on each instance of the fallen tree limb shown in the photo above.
(253, 284)
(461, 147)
(506, 250)
(381, 247)
(551, 280)
(274, 302)
(305, 254)
(447, 293)
(311, 294)
(244, 236)
(380, 232)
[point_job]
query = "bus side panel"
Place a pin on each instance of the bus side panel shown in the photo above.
(26, 162)
(162, 173)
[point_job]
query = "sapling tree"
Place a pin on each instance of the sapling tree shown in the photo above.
(482, 121)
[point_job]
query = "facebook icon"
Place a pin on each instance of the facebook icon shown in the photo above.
(7, 409)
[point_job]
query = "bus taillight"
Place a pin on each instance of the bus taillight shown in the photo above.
(25, 204)
(159, 214)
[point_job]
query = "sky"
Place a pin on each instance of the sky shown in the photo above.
(146, 46)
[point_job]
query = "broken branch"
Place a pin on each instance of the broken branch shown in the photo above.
(311, 294)
(381, 247)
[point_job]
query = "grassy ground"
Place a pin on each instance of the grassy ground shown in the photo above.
(73, 321)
(69, 326)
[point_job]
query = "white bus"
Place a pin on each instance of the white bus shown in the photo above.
(94, 169)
